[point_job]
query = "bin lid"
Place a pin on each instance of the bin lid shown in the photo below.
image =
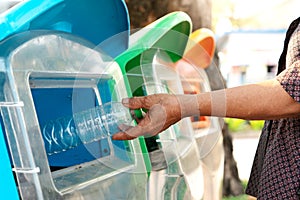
(169, 33)
(200, 47)
(94, 20)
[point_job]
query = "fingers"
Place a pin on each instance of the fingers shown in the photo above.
(129, 134)
(139, 130)
(142, 102)
(122, 136)
(137, 116)
(162, 112)
(150, 125)
(133, 103)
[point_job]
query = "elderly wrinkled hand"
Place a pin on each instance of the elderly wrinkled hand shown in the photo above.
(163, 111)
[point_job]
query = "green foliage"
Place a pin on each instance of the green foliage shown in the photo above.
(236, 125)
(241, 197)
(257, 124)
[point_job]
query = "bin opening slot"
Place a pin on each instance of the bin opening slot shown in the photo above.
(56, 99)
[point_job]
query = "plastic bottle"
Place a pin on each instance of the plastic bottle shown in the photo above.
(84, 127)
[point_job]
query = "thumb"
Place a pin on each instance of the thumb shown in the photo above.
(134, 102)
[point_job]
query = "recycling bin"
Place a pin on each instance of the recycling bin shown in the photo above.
(176, 171)
(52, 68)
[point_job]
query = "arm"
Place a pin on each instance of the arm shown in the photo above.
(265, 100)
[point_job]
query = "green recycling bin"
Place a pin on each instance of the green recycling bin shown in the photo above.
(146, 65)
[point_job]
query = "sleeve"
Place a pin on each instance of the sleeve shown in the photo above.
(290, 80)
(290, 77)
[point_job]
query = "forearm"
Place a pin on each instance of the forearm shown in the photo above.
(265, 100)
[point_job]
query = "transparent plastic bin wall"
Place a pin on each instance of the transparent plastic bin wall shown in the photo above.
(177, 142)
(48, 60)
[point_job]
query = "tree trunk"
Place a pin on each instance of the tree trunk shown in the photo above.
(143, 12)
(231, 183)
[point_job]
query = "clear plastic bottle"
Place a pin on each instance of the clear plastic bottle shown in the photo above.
(84, 127)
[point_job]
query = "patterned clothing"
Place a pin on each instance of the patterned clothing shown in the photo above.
(276, 169)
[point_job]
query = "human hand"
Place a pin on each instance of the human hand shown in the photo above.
(164, 110)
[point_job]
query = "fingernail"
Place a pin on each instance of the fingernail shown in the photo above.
(125, 101)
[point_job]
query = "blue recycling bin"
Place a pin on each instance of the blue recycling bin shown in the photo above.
(72, 17)
(57, 59)
(104, 21)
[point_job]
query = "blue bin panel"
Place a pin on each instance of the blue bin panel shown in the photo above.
(54, 103)
(94, 20)
(8, 187)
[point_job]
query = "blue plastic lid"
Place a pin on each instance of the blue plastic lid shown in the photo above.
(94, 20)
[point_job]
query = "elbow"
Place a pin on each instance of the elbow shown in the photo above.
(291, 109)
